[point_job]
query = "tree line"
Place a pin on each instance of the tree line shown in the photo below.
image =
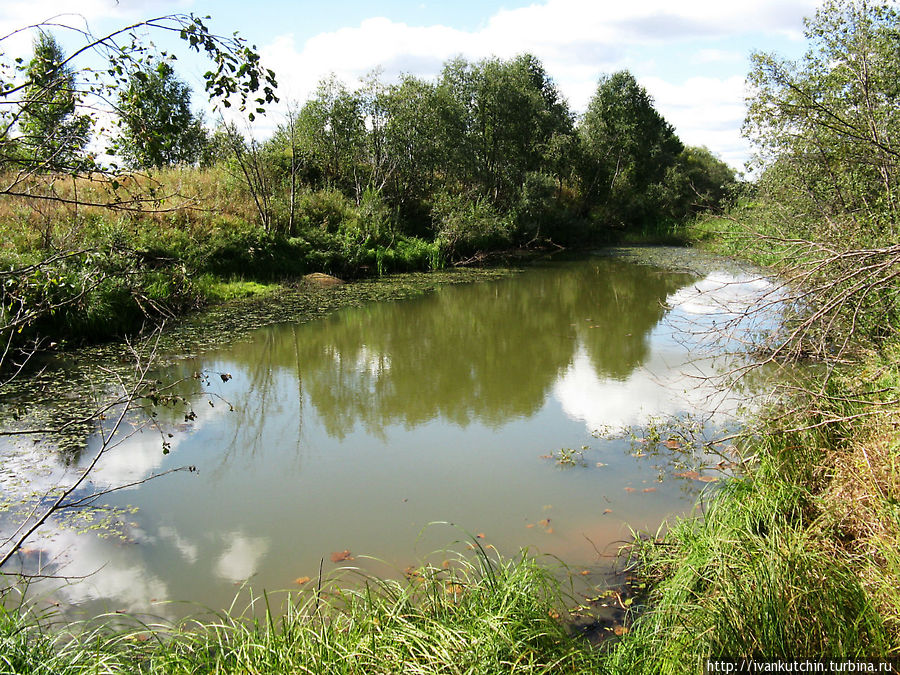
(487, 155)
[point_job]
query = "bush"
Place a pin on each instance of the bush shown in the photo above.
(464, 225)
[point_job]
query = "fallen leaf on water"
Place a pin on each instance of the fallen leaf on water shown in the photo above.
(600, 465)
(688, 474)
(639, 454)
(707, 479)
(605, 511)
(546, 457)
(584, 573)
(544, 523)
(301, 580)
(341, 556)
(649, 490)
(530, 525)
(480, 535)
(549, 530)
(547, 507)
(672, 444)
(630, 489)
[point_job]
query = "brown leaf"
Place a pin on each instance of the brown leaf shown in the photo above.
(649, 490)
(630, 489)
(544, 523)
(688, 474)
(480, 535)
(620, 630)
(549, 530)
(707, 479)
(584, 573)
(672, 444)
(341, 556)
(530, 525)
(605, 511)
(301, 580)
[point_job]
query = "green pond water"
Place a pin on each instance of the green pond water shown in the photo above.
(368, 432)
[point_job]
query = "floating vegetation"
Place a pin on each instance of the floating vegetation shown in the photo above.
(568, 457)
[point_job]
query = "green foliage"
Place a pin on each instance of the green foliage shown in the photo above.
(53, 135)
(827, 127)
(627, 148)
(698, 182)
(157, 128)
(464, 226)
(479, 615)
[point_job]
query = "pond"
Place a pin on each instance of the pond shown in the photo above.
(551, 410)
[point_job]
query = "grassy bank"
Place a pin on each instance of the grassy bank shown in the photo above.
(83, 273)
(798, 556)
(797, 559)
(472, 615)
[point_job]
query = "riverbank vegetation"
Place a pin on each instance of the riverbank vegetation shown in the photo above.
(360, 180)
(798, 558)
(473, 615)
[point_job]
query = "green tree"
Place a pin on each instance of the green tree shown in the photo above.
(501, 121)
(333, 135)
(53, 135)
(627, 147)
(698, 181)
(827, 133)
(157, 127)
(413, 144)
(827, 128)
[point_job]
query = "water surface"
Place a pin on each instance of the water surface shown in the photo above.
(358, 431)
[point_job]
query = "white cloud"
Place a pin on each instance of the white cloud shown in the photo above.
(704, 111)
(577, 40)
(716, 56)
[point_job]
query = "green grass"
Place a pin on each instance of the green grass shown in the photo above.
(215, 290)
(785, 561)
(477, 614)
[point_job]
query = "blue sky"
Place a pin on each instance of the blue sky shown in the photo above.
(691, 56)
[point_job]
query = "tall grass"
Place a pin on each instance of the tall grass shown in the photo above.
(477, 614)
(782, 564)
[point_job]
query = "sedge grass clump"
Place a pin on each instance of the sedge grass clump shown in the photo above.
(482, 616)
(748, 580)
(798, 558)
(478, 614)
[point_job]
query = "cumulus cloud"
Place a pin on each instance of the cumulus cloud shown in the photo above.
(705, 111)
(577, 40)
